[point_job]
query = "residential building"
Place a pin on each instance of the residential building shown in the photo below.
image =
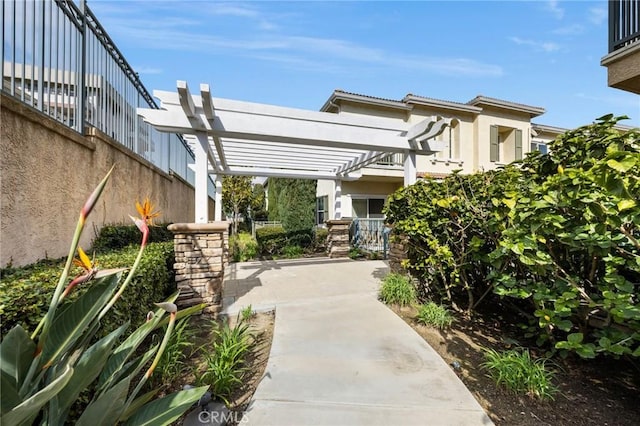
(484, 134)
(623, 59)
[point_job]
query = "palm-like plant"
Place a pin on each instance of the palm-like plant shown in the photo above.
(43, 374)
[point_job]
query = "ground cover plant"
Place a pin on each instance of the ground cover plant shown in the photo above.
(553, 239)
(45, 371)
(518, 372)
(225, 364)
(434, 315)
(397, 289)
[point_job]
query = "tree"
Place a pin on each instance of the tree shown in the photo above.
(258, 210)
(293, 203)
(236, 197)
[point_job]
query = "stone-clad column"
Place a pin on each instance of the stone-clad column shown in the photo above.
(202, 252)
(338, 238)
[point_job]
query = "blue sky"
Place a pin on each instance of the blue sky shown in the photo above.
(295, 53)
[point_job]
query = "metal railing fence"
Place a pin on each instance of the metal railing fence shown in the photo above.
(370, 235)
(624, 23)
(59, 59)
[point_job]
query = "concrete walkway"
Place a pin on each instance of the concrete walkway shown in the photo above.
(339, 356)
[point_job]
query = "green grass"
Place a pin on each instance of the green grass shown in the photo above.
(435, 315)
(518, 372)
(225, 362)
(397, 289)
(246, 313)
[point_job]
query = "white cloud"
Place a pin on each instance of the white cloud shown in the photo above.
(597, 15)
(557, 11)
(573, 29)
(537, 45)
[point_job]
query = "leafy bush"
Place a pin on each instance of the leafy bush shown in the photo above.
(273, 239)
(320, 240)
(398, 289)
(225, 363)
(554, 237)
(242, 247)
(112, 237)
(434, 315)
(292, 252)
(518, 372)
(25, 292)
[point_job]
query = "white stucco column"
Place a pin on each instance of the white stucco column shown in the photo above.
(218, 205)
(202, 174)
(410, 170)
(337, 203)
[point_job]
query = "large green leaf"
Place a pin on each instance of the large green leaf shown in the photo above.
(16, 353)
(107, 408)
(86, 370)
(69, 325)
(165, 410)
(137, 403)
(10, 397)
(31, 406)
(129, 346)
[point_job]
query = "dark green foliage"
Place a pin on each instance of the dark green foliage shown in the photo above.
(173, 362)
(26, 292)
(555, 237)
(273, 239)
(112, 237)
(292, 202)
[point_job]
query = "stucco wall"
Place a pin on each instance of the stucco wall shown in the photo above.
(48, 170)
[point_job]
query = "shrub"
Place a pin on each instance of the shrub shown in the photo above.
(225, 362)
(112, 237)
(518, 372)
(25, 293)
(397, 289)
(320, 240)
(273, 239)
(434, 315)
(292, 252)
(554, 238)
(242, 247)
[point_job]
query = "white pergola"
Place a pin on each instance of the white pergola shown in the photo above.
(232, 137)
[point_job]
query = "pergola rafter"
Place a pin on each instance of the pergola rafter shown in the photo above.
(232, 137)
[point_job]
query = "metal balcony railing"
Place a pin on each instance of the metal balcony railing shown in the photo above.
(391, 160)
(624, 23)
(57, 58)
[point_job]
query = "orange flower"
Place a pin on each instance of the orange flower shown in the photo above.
(89, 272)
(145, 210)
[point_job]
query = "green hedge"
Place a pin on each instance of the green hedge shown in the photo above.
(25, 292)
(112, 237)
(272, 240)
(242, 247)
(556, 237)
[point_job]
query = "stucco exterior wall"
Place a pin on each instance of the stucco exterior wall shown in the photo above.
(497, 117)
(46, 173)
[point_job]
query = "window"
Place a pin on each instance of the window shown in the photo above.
(539, 146)
(321, 209)
(505, 144)
(367, 208)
